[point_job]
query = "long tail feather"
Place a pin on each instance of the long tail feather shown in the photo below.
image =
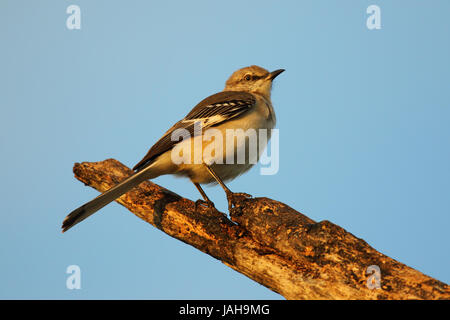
(102, 200)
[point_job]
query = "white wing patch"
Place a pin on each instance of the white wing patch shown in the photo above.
(207, 121)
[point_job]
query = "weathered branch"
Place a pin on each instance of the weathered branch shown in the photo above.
(270, 243)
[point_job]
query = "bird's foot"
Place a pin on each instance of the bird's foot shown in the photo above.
(235, 199)
(204, 203)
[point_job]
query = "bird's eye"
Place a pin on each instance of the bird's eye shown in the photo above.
(248, 77)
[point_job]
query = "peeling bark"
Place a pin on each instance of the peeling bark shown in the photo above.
(270, 243)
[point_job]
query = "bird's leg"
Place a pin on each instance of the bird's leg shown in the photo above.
(206, 200)
(232, 197)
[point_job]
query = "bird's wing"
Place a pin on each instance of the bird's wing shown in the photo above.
(209, 112)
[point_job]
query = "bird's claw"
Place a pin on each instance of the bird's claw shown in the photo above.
(204, 203)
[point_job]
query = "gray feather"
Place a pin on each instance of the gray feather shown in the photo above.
(217, 108)
(102, 200)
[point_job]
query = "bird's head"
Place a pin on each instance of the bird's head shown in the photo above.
(252, 79)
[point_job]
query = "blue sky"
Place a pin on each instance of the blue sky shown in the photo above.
(363, 118)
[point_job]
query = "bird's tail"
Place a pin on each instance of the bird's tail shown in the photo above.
(102, 200)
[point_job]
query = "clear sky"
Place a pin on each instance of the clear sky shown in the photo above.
(363, 117)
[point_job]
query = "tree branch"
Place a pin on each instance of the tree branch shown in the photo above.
(270, 243)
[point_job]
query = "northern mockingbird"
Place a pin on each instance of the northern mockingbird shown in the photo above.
(243, 104)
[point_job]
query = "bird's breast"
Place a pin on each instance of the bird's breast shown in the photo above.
(233, 147)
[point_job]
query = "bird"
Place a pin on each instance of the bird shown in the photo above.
(244, 104)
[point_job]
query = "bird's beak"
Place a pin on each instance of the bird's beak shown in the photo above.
(275, 74)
